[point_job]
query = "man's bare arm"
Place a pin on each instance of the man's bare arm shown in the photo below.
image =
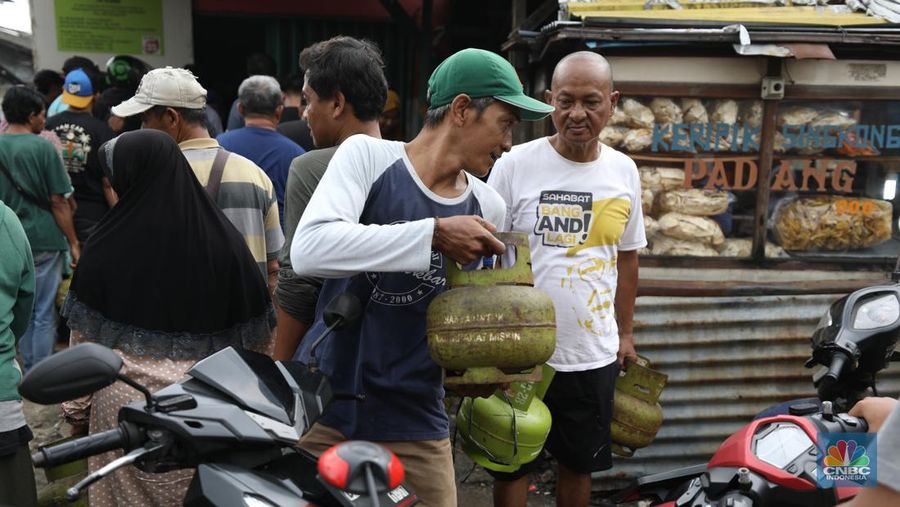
(626, 292)
(64, 217)
(109, 193)
(272, 268)
(290, 333)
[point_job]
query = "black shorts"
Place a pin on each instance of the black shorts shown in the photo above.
(581, 403)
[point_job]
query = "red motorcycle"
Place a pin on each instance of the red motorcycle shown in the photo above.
(772, 461)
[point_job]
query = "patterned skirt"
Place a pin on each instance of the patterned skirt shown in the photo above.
(128, 486)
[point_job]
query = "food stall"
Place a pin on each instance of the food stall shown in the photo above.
(767, 137)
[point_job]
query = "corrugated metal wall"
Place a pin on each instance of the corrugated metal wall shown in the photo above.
(727, 359)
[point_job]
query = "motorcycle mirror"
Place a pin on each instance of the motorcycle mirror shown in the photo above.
(74, 372)
(344, 309)
(361, 468)
(895, 356)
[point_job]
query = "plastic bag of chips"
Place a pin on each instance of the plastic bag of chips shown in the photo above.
(664, 245)
(694, 111)
(695, 201)
(740, 247)
(659, 179)
(691, 228)
(647, 196)
(724, 111)
(637, 140)
(613, 135)
(618, 117)
(837, 120)
(651, 227)
(751, 113)
(831, 222)
(666, 110)
(637, 115)
(795, 116)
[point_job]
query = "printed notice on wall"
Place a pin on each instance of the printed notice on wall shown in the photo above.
(132, 27)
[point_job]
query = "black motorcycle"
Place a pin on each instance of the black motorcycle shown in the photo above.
(236, 417)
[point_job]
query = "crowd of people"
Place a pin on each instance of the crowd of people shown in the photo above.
(185, 239)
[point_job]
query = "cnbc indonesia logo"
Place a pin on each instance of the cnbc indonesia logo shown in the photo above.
(848, 461)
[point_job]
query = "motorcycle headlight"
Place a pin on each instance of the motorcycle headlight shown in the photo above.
(878, 312)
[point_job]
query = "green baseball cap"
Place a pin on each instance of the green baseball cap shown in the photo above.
(479, 73)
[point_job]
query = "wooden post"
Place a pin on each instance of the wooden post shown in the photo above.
(766, 146)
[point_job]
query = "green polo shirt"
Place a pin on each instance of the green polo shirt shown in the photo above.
(16, 297)
(35, 166)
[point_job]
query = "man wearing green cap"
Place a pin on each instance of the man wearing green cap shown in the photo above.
(579, 201)
(382, 224)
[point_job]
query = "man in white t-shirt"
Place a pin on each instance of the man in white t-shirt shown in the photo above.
(580, 203)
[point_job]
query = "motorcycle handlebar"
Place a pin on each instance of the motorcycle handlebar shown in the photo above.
(838, 360)
(121, 437)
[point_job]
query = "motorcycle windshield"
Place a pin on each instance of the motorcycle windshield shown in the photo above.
(252, 380)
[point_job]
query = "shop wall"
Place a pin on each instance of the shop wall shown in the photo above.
(706, 70)
(176, 41)
(843, 72)
(750, 70)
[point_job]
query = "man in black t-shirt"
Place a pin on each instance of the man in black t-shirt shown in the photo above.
(292, 124)
(82, 135)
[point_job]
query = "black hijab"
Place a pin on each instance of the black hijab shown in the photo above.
(164, 272)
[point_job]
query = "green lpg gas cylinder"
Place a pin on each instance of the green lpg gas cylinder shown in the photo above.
(505, 431)
(637, 415)
(492, 326)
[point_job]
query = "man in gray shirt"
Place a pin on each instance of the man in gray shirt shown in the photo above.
(345, 89)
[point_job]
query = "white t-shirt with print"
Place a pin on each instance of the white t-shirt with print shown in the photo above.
(577, 217)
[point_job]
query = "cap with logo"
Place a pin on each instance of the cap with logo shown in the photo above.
(77, 89)
(164, 87)
(479, 73)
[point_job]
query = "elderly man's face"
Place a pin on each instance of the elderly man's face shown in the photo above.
(584, 100)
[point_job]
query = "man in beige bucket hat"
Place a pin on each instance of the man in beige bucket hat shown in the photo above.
(171, 100)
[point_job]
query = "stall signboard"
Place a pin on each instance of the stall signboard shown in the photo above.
(831, 171)
(132, 27)
(807, 175)
(689, 137)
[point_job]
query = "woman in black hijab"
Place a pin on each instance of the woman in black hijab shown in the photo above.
(165, 280)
